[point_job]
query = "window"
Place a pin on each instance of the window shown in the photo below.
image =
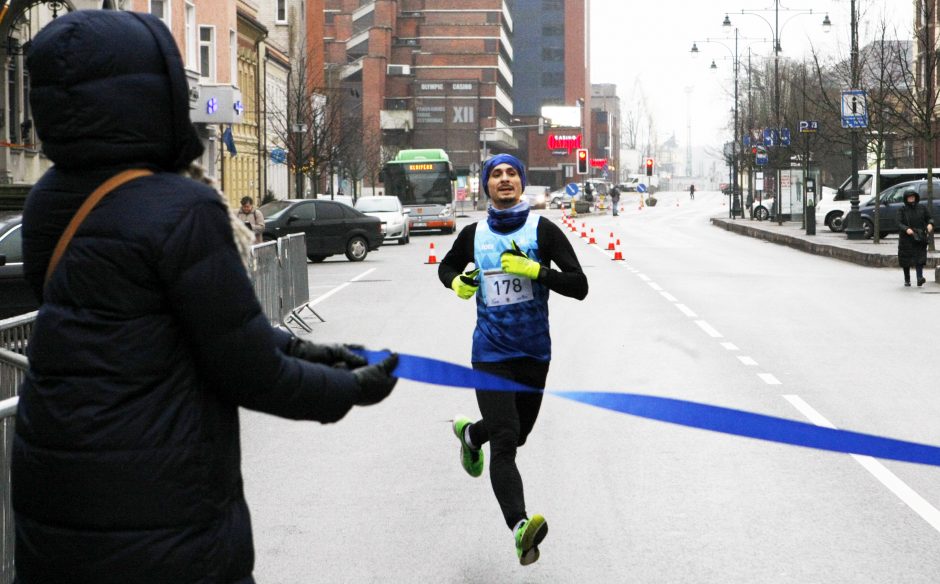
(280, 11)
(329, 211)
(161, 9)
(12, 246)
(190, 35)
(553, 79)
(553, 54)
(207, 53)
(305, 211)
(233, 54)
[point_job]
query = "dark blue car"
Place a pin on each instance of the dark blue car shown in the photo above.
(892, 199)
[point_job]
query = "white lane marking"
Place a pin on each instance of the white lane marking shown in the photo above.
(669, 297)
(323, 297)
(363, 275)
(769, 379)
(730, 346)
(686, 310)
(708, 329)
(909, 496)
(747, 360)
(655, 286)
(643, 277)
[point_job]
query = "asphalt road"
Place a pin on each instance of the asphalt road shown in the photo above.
(695, 313)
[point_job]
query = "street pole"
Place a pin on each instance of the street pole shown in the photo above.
(779, 196)
(853, 225)
(735, 159)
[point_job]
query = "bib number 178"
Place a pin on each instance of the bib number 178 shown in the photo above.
(503, 288)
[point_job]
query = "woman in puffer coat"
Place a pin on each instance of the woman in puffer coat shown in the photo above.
(126, 460)
(915, 224)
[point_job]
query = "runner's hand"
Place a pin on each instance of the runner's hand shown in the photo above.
(466, 284)
(333, 355)
(514, 261)
(376, 381)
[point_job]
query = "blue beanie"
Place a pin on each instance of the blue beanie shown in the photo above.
(493, 162)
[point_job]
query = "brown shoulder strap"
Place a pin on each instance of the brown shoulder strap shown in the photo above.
(83, 211)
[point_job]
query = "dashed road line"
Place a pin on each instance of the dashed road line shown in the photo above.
(901, 490)
(769, 379)
(644, 277)
(709, 330)
(323, 297)
(730, 346)
(669, 296)
(686, 310)
(747, 360)
(655, 286)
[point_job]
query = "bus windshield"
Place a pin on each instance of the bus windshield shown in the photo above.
(420, 184)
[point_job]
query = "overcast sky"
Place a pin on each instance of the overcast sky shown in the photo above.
(645, 45)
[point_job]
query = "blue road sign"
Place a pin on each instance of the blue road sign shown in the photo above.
(808, 126)
(278, 156)
(641, 188)
(572, 189)
(760, 159)
(854, 109)
(747, 141)
(784, 136)
(770, 137)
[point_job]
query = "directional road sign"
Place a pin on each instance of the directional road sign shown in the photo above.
(784, 136)
(770, 136)
(854, 109)
(641, 188)
(572, 189)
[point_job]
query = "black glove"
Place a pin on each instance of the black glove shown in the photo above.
(376, 381)
(332, 355)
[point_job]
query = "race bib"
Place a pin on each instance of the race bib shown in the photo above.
(503, 288)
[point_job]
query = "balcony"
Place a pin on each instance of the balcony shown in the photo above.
(396, 120)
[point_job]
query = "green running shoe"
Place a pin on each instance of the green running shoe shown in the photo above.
(528, 537)
(472, 460)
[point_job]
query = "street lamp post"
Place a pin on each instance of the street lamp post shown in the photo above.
(775, 30)
(853, 223)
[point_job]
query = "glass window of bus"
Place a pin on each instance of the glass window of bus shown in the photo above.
(378, 204)
(426, 187)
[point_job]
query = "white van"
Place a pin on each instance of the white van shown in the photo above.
(833, 206)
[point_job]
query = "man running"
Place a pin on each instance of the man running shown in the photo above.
(512, 252)
(692, 192)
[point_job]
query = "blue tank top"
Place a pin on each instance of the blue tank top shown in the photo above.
(518, 328)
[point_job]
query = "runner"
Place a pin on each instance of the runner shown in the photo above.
(512, 252)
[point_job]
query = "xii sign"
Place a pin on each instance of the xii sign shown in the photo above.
(463, 114)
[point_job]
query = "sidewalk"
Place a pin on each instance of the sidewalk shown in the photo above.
(825, 243)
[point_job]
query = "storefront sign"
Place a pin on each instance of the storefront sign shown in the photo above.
(568, 142)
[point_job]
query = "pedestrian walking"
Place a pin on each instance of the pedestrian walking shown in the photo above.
(512, 252)
(252, 218)
(915, 225)
(749, 203)
(615, 199)
(692, 192)
(126, 464)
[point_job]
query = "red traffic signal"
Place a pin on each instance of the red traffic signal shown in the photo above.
(582, 158)
(649, 167)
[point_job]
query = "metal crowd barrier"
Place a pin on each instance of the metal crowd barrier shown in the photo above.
(279, 276)
(14, 335)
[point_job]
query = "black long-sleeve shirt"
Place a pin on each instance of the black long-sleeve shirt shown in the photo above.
(569, 280)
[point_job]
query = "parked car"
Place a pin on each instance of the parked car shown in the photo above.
(330, 227)
(536, 196)
(892, 199)
(16, 297)
(832, 208)
(394, 218)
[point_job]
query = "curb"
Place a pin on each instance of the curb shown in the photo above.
(872, 260)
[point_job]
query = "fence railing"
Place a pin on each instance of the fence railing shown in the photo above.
(279, 276)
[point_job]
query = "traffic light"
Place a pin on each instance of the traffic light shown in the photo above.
(649, 167)
(582, 161)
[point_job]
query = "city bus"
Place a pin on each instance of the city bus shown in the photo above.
(423, 180)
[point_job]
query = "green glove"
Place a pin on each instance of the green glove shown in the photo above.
(466, 284)
(513, 261)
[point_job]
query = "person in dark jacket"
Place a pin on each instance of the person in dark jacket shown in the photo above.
(512, 252)
(915, 224)
(126, 459)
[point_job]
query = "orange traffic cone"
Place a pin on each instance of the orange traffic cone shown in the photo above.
(618, 257)
(610, 242)
(432, 259)
(592, 241)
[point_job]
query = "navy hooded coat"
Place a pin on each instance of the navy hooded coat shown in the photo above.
(126, 460)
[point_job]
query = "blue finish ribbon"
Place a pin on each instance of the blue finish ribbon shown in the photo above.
(676, 411)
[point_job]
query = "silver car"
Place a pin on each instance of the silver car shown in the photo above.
(390, 212)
